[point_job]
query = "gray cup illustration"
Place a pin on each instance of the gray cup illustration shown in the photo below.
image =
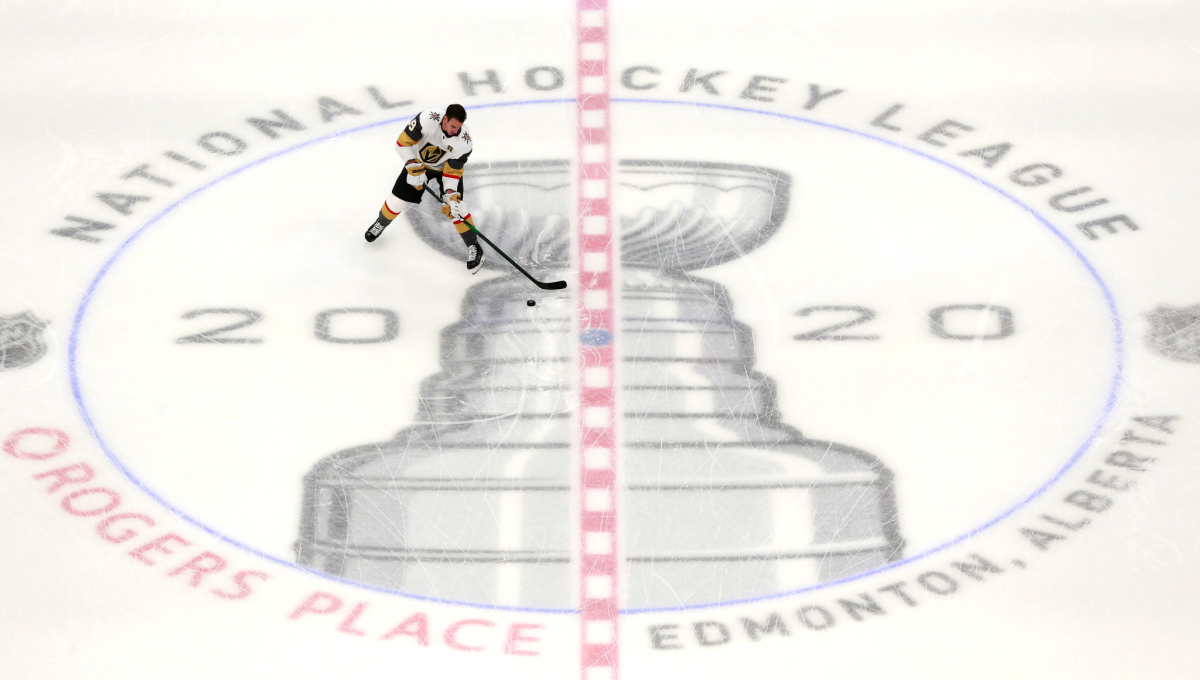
(720, 499)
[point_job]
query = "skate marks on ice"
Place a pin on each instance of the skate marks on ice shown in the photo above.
(721, 499)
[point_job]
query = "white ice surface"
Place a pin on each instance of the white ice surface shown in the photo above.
(1109, 91)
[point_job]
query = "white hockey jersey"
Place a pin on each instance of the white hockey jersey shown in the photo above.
(424, 140)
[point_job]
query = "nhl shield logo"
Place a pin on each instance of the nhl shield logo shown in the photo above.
(1175, 332)
(21, 342)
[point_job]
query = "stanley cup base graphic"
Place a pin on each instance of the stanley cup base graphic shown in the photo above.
(721, 499)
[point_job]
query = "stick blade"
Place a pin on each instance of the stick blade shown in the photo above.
(552, 285)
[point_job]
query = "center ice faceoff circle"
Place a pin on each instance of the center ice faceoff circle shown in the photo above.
(838, 355)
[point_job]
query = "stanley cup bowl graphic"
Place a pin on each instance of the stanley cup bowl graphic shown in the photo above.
(722, 500)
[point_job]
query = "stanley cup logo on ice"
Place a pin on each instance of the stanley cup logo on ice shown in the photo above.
(721, 499)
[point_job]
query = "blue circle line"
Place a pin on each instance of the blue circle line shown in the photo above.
(1109, 406)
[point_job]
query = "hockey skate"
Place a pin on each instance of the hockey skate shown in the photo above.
(474, 258)
(376, 229)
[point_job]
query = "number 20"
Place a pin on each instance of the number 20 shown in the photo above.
(1001, 322)
(389, 326)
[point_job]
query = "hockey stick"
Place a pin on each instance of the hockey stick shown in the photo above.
(544, 285)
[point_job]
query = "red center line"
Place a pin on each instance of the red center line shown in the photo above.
(598, 416)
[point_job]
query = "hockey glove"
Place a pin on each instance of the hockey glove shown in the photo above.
(416, 174)
(458, 210)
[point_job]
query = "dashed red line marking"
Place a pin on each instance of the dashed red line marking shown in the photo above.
(598, 417)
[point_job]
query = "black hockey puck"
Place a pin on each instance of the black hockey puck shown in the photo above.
(531, 303)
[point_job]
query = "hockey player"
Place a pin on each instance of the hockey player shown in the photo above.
(435, 147)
